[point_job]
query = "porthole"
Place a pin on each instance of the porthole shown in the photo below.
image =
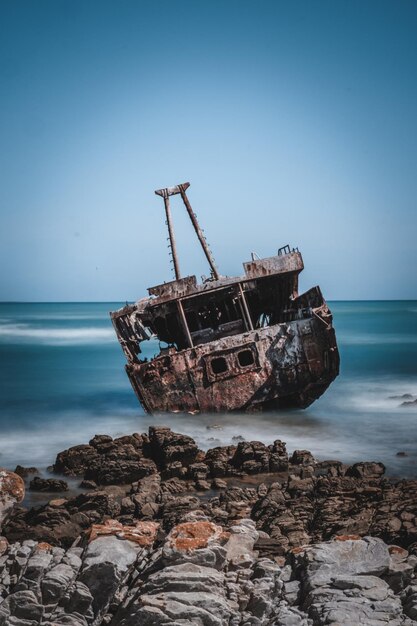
(245, 358)
(218, 365)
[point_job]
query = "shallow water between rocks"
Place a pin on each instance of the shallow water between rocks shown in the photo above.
(62, 381)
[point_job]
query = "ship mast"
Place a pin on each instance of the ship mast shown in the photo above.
(172, 191)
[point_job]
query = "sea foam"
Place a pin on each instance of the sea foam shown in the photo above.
(12, 333)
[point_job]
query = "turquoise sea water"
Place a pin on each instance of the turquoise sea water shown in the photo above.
(62, 380)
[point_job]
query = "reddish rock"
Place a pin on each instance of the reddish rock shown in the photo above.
(142, 533)
(12, 491)
(190, 536)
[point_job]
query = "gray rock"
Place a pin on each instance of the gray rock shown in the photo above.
(410, 602)
(55, 583)
(292, 591)
(106, 560)
(184, 577)
(399, 575)
(79, 600)
(324, 562)
(22, 605)
(242, 539)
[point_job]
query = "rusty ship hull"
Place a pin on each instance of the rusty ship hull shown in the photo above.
(247, 343)
(287, 370)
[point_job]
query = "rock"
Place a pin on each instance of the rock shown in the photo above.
(106, 561)
(163, 553)
(409, 403)
(146, 493)
(24, 472)
(76, 461)
(278, 461)
(366, 470)
(302, 457)
(219, 460)
(55, 583)
(191, 536)
(4, 545)
(12, 491)
(167, 447)
(48, 484)
(88, 484)
(100, 441)
(57, 502)
(142, 533)
(198, 471)
(107, 461)
(202, 485)
(252, 457)
(218, 483)
(325, 562)
(241, 541)
(410, 602)
(202, 574)
(19, 607)
(119, 471)
(329, 468)
(400, 572)
(188, 586)
(78, 602)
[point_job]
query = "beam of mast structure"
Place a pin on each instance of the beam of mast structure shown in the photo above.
(181, 189)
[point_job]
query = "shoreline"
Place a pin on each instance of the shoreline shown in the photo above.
(165, 533)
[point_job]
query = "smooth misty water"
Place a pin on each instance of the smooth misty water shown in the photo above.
(62, 380)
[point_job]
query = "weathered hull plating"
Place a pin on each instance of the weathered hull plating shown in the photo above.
(293, 364)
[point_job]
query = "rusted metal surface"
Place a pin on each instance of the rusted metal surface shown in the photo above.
(232, 344)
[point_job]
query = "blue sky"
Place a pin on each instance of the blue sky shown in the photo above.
(295, 122)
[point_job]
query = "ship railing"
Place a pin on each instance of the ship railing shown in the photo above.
(286, 250)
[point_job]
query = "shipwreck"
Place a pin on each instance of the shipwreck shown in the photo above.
(242, 343)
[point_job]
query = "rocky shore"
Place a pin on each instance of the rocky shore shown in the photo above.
(165, 533)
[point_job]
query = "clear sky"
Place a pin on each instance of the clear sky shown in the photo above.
(295, 122)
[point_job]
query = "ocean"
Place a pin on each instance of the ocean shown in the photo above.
(62, 380)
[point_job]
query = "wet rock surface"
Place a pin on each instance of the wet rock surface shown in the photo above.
(238, 535)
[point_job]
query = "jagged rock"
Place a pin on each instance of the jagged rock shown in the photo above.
(24, 472)
(410, 602)
(325, 562)
(218, 483)
(219, 461)
(142, 533)
(278, 461)
(119, 471)
(106, 560)
(21, 607)
(366, 470)
(163, 553)
(55, 583)
(88, 484)
(201, 575)
(167, 447)
(302, 457)
(48, 484)
(12, 491)
(252, 457)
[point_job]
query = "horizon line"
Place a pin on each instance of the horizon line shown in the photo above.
(134, 301)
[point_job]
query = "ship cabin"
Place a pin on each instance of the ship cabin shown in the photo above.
(183, 314)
